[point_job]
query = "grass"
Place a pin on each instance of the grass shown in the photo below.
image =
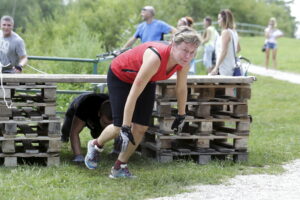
(287, 54)
(274, 140)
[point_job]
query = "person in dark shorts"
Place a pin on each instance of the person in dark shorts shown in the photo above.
(131, 85)
(90, 110)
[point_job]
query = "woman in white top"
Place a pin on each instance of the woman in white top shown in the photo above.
(271, 34)
(226, 45)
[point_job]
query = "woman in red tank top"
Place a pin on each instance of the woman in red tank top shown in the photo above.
(131, 84)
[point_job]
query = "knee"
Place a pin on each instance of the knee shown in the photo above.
(139, 129)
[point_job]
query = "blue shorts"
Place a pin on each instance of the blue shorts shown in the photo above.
(271, 45)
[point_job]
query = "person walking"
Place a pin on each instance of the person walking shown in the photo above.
(271, 34)
(90, 110)
(227, 45)
(209, 39)
(151, 29)
(12, 47)
(131, 83)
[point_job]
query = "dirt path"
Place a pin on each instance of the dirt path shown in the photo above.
(279, 75)
(285, 186)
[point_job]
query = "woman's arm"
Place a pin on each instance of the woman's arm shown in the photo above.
(150, 66)
(181, 89)
(226, 36)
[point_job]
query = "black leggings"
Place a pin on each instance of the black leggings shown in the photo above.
(118, 93)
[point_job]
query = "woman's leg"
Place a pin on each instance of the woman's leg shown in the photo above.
(138, 132)
(267, 58)
(274, 54)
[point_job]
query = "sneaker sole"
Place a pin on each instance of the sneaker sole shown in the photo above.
(89, 167)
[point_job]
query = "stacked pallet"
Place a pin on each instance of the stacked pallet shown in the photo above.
(30, 128)
(217, 122)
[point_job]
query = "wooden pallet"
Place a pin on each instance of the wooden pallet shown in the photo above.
(15, 159)
(201, 156)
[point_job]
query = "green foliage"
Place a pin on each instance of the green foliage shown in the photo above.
(30, 11)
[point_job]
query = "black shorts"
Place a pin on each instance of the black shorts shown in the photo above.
(118, 93)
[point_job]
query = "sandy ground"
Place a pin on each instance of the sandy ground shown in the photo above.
(284, 186)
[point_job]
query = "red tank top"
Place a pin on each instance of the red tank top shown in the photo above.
(127, 65)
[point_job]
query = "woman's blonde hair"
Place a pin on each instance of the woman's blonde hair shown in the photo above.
(227, 19)
(274, 20)
(186, 34)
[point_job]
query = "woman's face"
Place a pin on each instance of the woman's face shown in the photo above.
(272, 23)
(184, 53)
(205, 23)
(181, 23)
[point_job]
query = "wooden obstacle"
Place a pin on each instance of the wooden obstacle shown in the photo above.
(217, 122)
(31, 129)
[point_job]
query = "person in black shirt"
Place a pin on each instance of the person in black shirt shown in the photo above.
(91, 110)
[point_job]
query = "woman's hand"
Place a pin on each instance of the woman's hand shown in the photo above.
(214, 72)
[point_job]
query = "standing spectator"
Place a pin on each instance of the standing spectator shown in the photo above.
(12, 47)
(226, 45)
(271, 34)
(209, 39)
(131, 83)
(151, 29)
(89, 109)
(188, 21)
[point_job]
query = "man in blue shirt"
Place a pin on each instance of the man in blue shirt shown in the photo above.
(151, 29)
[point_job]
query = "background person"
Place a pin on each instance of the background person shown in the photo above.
(87, 110)
(271, 34)
(209, 39)
(185, 21)
(151, 29)
(12, 47)
(131, 84)
(226, 45)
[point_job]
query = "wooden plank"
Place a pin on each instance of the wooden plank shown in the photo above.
(5, 112)
(5, 94)
(53, 161)
(221, 148)
(53, 129)
(203, 159)
(8, 147)
(10, 161)
(91, 78)
(164, 110)
(10, 129)
(49, 94)
(54, 146)
(27, 121)
(21, 138)
(241, 144)
(203, 111)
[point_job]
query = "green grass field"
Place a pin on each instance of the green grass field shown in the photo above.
(287, 53)
(274, 140)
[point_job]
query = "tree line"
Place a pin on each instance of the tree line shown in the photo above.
(84, 28)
